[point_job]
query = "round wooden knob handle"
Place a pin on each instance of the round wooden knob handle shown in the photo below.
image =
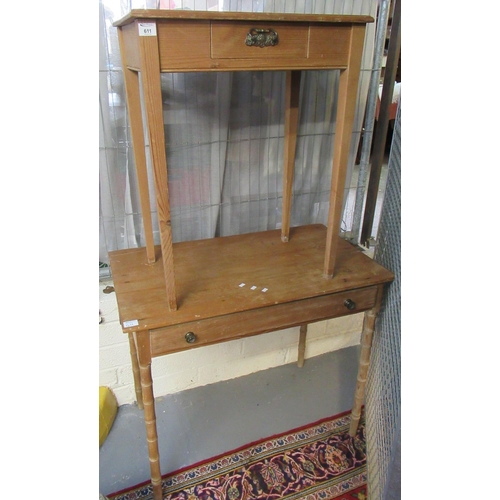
(350, 304)
(190, 337)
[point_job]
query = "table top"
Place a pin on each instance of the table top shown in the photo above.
(230, 274)
(152, 14)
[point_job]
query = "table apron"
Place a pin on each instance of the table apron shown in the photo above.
(218, 329)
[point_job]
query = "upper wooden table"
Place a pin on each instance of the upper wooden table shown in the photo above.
(178, 296)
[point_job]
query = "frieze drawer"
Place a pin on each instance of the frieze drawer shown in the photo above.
(259, 40)
(246, 323)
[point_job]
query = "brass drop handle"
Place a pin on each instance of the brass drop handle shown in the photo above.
(258, 37)
(350, 304)
(190, 337)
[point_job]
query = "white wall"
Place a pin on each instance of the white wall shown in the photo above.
(197, 367)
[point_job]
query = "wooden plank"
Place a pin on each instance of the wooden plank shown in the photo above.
(266, 319)
(285, 64)
(348, 90)
(210, 272)
(150, 14)
(292, 92)
(154, 112)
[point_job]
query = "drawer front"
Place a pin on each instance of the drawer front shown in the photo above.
(202, 45)
(242, 40)
(243, 324)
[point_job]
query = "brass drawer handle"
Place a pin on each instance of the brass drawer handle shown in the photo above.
(190, 337)
(259, 37)
(349, 304)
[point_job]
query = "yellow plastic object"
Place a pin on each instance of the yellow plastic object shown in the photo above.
(108, 407)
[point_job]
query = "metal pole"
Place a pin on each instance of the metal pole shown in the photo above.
(382, 125)
(371, 106)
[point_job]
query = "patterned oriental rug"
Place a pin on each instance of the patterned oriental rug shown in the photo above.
(317, 462)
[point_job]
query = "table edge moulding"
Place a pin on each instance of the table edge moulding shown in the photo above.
(177, 296)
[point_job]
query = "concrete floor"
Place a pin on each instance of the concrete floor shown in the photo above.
(203, 422)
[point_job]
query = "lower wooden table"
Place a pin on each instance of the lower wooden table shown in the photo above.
(237, 286)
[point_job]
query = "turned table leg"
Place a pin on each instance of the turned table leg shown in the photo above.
(302, 345)
(135, 370)
(364, 362)
(149, 413)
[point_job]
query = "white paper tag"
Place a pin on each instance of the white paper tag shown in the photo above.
(147, 29)
(128, 324)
